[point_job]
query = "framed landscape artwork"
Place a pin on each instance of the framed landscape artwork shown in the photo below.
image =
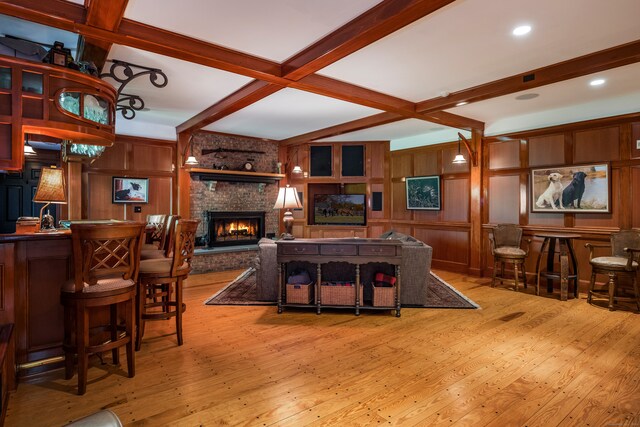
(578, 188)
(130, 190)
(423, 192)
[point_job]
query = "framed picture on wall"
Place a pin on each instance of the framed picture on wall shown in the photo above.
(130, 190)
(423, 192)
(578, 188)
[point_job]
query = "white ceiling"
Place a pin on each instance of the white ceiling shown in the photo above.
(290, 112)
(464, 44)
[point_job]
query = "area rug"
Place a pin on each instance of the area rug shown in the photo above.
(242, 291)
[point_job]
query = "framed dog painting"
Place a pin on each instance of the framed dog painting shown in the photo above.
(578, 188)
(130, 190)
(423, 192)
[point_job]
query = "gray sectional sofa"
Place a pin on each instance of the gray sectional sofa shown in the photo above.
(415, 268)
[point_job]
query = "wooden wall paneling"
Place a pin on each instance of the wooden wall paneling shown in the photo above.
(635, 201)
(448, 154)
(635, 140)
(159, 200)
(596, 145)
(504, 155)
(376, 230)
(504, 199)
(399, 209)
(424, 216)
(151, 158)
(48, 267)
(112, 158)
(626, 190)
(449, 246)
(605, 220)
(426, 162)
(99, 204)
(455, 199)
(546, 151)
(476, 202)
(376, 159)
(545, 219)
(7, 262)
(401, 164)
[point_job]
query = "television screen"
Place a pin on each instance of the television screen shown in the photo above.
(339, 209)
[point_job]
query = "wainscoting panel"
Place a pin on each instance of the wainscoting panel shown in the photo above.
(546, 150)
(504, 155)
(504, 199)
(597, 145)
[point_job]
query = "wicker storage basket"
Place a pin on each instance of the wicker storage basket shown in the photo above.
(339, 295)
(384, 296)
(299, 294)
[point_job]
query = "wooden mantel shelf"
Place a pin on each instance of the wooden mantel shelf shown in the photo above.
(237, 176)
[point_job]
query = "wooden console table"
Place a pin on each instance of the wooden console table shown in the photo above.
(352, 251)
(566, 255)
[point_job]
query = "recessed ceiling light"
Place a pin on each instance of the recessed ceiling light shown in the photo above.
(460, 104)
(526, 96)
(597, 82)
(521, 30)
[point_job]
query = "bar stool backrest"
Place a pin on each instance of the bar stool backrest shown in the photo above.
(106, 250)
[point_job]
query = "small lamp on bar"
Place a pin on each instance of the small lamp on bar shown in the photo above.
(51, 189)
(287, 199)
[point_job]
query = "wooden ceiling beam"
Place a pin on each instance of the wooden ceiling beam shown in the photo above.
(372, 25)
(352, 126)
(369, 27)
(246, 95)
(614, 57)
(71, 17)
(105, 14)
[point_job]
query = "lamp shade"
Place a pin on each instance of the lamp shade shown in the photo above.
(51, 187)
(191, 160)
(459, 159)
(287, 198)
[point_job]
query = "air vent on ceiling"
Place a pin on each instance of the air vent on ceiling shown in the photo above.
(528, 78)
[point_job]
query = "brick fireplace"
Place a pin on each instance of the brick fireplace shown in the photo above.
(232, 198)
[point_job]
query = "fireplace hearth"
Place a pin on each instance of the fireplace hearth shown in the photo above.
(235, 228)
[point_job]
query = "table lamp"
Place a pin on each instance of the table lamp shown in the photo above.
(287, 199)
(51, 189)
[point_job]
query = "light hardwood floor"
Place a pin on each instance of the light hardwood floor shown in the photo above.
(521, 360)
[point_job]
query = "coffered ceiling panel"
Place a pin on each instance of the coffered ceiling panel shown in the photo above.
(470, 42)
(565, 102)
(289, 112)
(273, 30)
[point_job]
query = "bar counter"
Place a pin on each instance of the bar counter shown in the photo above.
(33, 267)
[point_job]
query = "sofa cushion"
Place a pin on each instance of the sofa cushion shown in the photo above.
(394, 235)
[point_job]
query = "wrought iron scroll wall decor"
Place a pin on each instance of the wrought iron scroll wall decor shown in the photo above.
(123, 73)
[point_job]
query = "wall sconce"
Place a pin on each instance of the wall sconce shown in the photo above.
(459, 159)
(191, 160)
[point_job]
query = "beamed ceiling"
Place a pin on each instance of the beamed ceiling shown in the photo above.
(334, 70)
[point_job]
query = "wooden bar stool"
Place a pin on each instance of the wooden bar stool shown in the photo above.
(106, 260)
(623, 261)
(164, 246)
(160, 281)
(505, 248)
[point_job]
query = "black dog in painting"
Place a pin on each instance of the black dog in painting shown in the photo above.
(574, 191)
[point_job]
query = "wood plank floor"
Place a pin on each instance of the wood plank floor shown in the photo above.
(521, 360)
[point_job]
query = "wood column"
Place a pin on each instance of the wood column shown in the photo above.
(475, 206)
(184, 178)
(74, 190)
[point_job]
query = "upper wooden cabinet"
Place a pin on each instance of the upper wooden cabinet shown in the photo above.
(50, 100)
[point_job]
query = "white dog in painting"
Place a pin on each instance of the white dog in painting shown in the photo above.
(552, 193)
